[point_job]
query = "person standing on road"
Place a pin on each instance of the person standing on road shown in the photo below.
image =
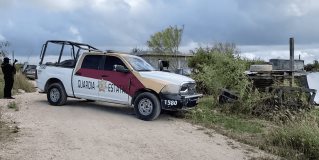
(8, 71)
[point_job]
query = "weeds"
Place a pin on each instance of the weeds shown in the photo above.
(13, 105)
(296, 137)
(20, 82)
(301, 136)
(207, 114)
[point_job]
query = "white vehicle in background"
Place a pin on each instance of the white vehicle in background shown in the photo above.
(29, 71)
(114, 77)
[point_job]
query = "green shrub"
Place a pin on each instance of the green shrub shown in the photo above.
(215, 69)
(220, 67)
(13, 105)
(300, 136)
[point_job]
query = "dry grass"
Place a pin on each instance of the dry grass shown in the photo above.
(295, 139)
(20, 82)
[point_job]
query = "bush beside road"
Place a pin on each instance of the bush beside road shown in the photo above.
(255, 118)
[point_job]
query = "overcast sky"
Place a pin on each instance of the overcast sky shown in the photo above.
(260, 28)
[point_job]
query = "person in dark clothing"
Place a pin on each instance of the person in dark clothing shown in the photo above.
(8, 71)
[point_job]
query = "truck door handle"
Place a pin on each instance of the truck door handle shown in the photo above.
(104, 76)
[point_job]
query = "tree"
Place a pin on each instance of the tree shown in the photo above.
(3, 47)
(312, 67)
(166, 41)
(203, 55)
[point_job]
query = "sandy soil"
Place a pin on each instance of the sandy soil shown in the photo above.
(87, 130)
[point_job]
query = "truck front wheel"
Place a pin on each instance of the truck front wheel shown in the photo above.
(56, 94)
(147, 106)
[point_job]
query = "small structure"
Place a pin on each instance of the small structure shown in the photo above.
(176, 62)
(271, 78)
(284, 64)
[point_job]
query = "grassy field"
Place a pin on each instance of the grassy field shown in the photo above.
(295, 139)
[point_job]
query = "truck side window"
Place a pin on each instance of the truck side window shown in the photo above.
(110, 61)
(91, 61)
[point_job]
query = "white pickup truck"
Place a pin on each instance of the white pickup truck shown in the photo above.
(112, 77)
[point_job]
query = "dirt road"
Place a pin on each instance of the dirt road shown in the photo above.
(87, 130)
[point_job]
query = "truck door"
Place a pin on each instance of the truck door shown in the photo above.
(113, 84)
(85, 79)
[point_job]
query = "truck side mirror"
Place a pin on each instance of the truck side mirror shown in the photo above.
(120, 68)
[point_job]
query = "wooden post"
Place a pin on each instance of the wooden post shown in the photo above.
(292, 60)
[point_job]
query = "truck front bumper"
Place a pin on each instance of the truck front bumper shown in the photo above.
(179, 102)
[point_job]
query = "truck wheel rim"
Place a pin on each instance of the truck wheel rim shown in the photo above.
(145, 107)
(54, 95)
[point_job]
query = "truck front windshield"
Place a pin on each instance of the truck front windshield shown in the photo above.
(139, 64)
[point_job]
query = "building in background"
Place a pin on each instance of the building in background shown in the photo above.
(177, 63)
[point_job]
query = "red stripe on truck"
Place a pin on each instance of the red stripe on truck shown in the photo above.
(125, 81)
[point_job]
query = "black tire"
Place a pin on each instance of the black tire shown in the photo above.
(56, 94)
(147, 106)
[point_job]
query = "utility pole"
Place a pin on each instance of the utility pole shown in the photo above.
(12, 55)
(292, 60)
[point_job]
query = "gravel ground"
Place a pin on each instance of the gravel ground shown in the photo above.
(87, 130)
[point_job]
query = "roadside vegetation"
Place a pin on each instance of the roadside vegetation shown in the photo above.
(314, 67)
(20, 82)
(288, 129)
(13, 105)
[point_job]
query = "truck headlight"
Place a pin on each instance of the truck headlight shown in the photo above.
(171, 89)
(184, 89)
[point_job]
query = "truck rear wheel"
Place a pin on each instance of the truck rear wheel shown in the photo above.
(147, 106)
(56, 94)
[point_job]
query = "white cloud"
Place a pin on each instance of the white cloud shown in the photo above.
(138, 5)
(295, 10)
(58, 5)
(109, 6)
(189, 46)
(300, 8)
(306, 53)
(124, 24)
(75, 32)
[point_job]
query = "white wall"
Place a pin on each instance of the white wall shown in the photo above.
(313, 81)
